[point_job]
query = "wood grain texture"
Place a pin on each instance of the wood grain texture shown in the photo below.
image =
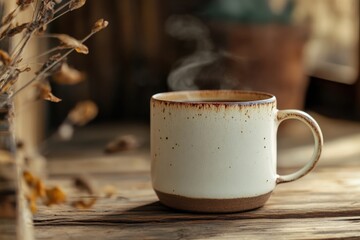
(315, 228)
(323, 205)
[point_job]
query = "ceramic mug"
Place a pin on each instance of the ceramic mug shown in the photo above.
(215, 150)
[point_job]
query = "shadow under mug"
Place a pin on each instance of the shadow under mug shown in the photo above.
(215, 150)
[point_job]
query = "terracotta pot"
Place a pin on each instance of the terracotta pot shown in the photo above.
(266, 58)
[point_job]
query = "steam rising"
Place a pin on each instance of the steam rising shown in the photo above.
(205, 68)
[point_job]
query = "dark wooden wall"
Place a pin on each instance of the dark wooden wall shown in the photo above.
(128, 62)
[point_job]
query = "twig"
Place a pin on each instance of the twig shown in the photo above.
(40, 74)
(44, 53)
(56, 17)
(22, 47)
(62, 7)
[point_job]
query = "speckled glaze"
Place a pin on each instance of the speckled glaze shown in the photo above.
(219, 150)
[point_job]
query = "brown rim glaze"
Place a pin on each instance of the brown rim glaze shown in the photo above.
(212, 205)
(247, 97)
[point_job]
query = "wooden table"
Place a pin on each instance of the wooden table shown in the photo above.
(323, 205)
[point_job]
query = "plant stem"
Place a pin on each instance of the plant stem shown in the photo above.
(17, 54)
(16, 47)
(12, 12)
(44, 53)
(43, 72)
(36, 10)
(56, 17)
(13, 61)
(39, 75)
(61, 7)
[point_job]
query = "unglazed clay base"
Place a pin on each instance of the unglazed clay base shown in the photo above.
(212, 205)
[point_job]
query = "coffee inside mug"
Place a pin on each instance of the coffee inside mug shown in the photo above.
(219, 96)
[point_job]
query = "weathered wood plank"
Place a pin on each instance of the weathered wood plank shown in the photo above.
(313, 228)
(322, 205)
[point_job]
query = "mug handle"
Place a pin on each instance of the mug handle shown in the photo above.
(318, 138)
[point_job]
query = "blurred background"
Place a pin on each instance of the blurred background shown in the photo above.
(303, 51)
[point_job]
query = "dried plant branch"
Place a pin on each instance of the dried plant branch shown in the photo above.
(75, 4)
(12, 65)
(68, 75)
(17, 53)
(62, 7)
(44, 92)
(96, 28)
(82, 113)
(4, 57)
(7, 19)
(56, 17)
(23, 4)
(70, 42)
(44, 12)
(47, 52)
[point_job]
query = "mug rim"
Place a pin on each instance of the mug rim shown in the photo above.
(182, 97)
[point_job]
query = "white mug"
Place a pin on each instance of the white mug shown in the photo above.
(215, 150)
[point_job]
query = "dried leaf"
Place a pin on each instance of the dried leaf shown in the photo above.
(3, 33)
(7, 19)
(10, 80)
(39, 189)
(68, 75)
(46, 12)
(122, 143)
(75, 4)
(70, 42)
(15, 30)
(53, 59)
(32, 203)
(4, 57)
(83, 112)
(81, 204)
(29, 178)
(33, 207)
(44, 92)
(8, 85)
(23, 4)
(35, 184)
(99, 25)
(83, 183)
(55, 196)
